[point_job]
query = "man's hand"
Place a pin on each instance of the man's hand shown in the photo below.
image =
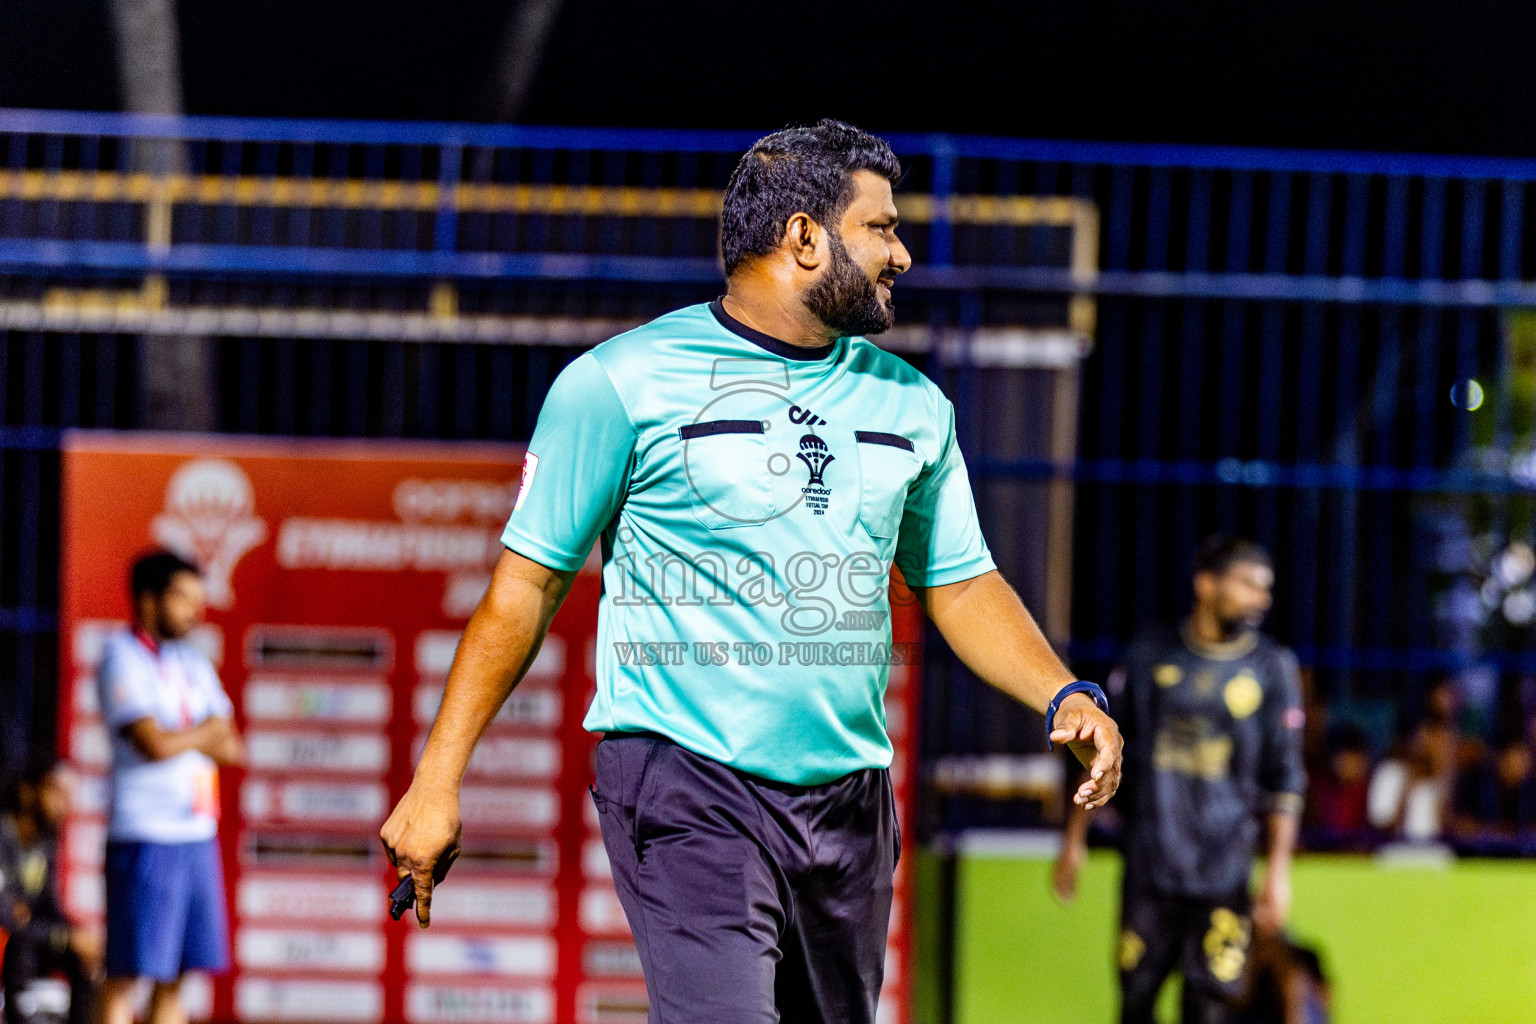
(1272, 910)
(1069, 863)
(422, 838)
(223, 743)
(1095, 739)
(87, 948)
(994, 635)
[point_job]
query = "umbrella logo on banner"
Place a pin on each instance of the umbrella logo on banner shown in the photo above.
(210, 519)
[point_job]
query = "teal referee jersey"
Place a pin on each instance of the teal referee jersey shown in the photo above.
(750, 497)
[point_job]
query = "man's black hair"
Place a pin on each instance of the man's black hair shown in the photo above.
(1217, 554)
(797, 170)
(30, 775)
(152, 573)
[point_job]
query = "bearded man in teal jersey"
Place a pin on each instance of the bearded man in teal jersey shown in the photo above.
(752, 468)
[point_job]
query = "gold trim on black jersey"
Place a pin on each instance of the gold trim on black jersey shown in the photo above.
(1230, 651)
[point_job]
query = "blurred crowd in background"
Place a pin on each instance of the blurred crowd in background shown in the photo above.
(1457, 775)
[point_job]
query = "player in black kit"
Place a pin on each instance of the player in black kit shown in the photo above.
(1212, 719)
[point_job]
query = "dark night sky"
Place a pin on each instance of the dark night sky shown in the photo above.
(1408, 75)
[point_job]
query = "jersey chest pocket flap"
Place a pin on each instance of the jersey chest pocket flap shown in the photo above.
(725, 463)
(888, 463)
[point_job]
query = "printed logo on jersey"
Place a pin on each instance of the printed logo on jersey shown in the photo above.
(1226, 945)
(1192, 746)
(1242, 694)
(817, 457)
(1168, 675)
(210, 520)
(753, 426)
(805, 416)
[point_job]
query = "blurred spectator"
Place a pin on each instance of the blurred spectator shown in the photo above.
(41, 938)
(172, 726)
(1496, 799)
(1337, 804)
(1410, 791)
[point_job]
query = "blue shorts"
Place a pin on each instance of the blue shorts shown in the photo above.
(165, 910)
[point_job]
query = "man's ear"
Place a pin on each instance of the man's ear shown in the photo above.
(802, 237)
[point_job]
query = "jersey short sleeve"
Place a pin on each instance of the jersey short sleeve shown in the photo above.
(126, 689)
(940, 540)
(1281, 771)
(577, 470)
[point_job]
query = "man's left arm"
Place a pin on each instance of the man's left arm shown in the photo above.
(1283, 777)
(1272, 909)
(994, 635)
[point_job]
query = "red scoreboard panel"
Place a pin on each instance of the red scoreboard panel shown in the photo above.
(339, 577)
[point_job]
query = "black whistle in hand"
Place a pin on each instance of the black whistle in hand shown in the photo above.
(403, 898)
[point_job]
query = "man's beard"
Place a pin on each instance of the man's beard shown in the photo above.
(845, 299)
(169, 629)
(1238, 625)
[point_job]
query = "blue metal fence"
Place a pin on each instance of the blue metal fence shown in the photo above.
(1277, 338)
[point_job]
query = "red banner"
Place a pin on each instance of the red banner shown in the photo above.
(339, 577)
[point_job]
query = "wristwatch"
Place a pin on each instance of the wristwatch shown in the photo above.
(1081, 686)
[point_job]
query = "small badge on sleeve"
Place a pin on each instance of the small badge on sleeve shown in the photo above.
(530, 466)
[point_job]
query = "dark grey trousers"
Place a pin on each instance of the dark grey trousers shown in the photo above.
(751, 902)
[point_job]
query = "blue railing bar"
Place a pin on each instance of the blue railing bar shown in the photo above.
(1511, 224)
(445, 226)
(941, 232)
(29, 620)
(192, 258)
(27, 254)
(1356, 207)
(61, 122)
(1259, 473)
(29, 439)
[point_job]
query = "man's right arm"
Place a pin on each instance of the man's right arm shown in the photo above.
(499, 644)
(582, 452)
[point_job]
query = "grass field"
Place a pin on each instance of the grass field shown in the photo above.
(1404, 945)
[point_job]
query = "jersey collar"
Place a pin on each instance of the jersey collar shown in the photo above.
(150, 643)
(799, 353)
(1232, 649)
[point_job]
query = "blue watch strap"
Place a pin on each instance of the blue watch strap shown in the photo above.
(1081, 686)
